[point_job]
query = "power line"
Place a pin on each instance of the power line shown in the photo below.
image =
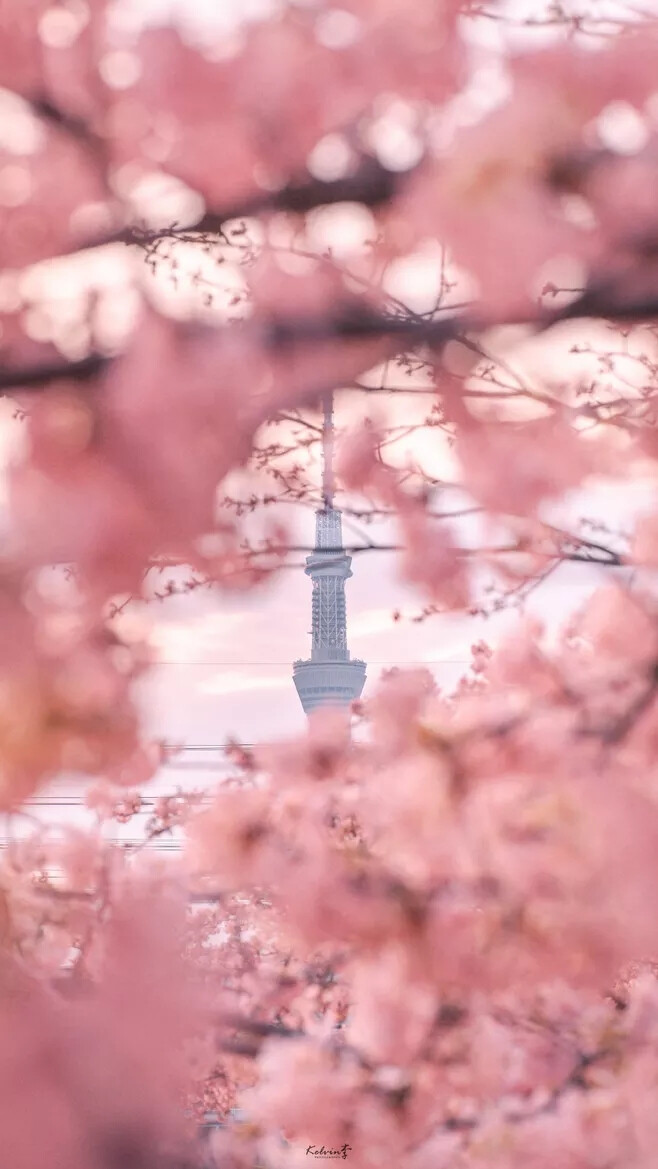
(79, 801)
(134, 842)
(370, 662)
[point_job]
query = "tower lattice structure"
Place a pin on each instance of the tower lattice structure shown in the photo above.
(330, 676)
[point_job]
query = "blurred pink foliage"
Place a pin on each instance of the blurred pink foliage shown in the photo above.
(430, 942)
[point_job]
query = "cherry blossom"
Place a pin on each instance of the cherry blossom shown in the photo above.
(421, 932)
(42, 191)
(518, 486)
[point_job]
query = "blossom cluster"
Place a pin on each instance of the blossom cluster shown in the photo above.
(424, 931)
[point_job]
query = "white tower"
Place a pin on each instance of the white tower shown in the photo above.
(329, 676)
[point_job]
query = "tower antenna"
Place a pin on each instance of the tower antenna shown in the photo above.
(328, 451)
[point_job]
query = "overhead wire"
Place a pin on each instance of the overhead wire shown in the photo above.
(370, 662)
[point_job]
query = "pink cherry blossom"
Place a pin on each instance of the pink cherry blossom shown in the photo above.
(384, 1026)
(432, 561)
(422, 932)
(42, 189)
(554, 460)
(319, 1106)
(232, 837)
(20, 69)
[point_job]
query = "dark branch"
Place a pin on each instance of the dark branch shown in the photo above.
(44, 108)
(35, 377)
(353, 321)
(370, 184)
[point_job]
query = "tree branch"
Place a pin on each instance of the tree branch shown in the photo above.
(370, 184)
(353, 321)
(36, 377)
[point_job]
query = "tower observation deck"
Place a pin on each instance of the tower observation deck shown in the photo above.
(330, 676)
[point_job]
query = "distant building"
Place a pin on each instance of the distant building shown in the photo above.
(330, 676)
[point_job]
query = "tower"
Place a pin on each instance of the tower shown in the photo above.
(330, 675)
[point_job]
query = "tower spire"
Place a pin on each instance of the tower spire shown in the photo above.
(330, 675)
(328, 451)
